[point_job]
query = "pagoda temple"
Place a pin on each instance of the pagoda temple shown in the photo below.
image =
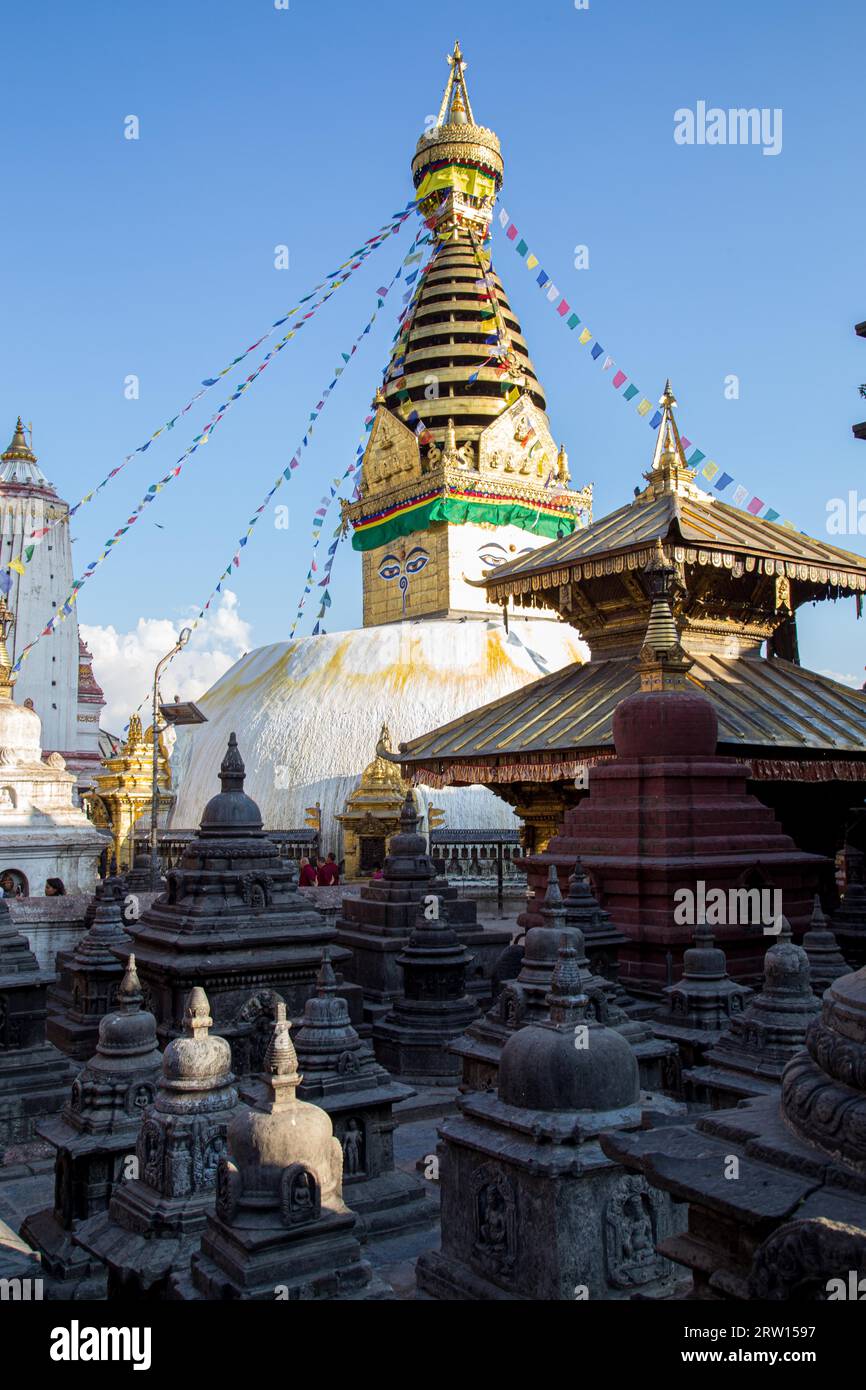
(461, 472)
(739, 581)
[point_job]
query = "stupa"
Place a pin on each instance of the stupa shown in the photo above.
(413, 1039)
(232, 918)
(376, 926)
(372, 814)
(602, 940)
(89, 974)
(776, 1189)
(341, 1075)
(34, 1077)
(281, 1229)
(155, 1219)
(453, 480)
(531, 1208)
(752, 1052)
(94, 1139)
(43, 834)
(826, 962)
(701, 1005)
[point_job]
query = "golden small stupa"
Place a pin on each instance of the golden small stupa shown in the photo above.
(372, 813)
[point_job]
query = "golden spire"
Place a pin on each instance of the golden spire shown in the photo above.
(456, 108)
(669, 471)
(662, 662)
(7, 678)
(18, 445)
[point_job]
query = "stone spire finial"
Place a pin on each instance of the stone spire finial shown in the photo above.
(326, 980)
(409, 815)
(553, 908)
(567, 1001)
(129, 992)
(281, 1062)
(197, 1019)
(232, 771)
(826, 962)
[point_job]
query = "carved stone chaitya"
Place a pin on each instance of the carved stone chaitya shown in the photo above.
(849, 919)
(281, 1229)
(34, 1076)
(752, 1052)
(233, 920)
(414, 1038)
(531, 1209)
(376, 926)
(341, 1074)
(602, 940)
(701, 1005)
(88, 975)
(154, 1220)
(776, 1188)
(94, 1138)
(524, 1001)
(826, 962)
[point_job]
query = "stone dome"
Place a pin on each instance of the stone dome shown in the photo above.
(541, 1068)
(281, 1136)
(20, 732)
(659, 724)
(786, 968)
(196, 1061)
(824, 1086)
(130, 1030)
(311, 712)
(231, 811)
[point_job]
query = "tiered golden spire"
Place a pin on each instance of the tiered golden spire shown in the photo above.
(456, 108)
(7, 678)
(662, 662)
(669, 471)
(18, 447)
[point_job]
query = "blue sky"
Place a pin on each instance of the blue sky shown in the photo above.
(262, 127)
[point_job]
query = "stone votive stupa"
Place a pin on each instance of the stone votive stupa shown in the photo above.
(281, 1229)
(700, 1006)
(34, 1077)
(413, 1040)
(341, 1075)
(849, 919)
(155, 1219)
(88, 976)
(531, 1208)
(93, 1137)
(601, 938)
(232, 921)
(826, 962)
(752, 1052)
(776, 1188)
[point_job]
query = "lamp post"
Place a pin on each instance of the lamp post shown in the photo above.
(181, 642)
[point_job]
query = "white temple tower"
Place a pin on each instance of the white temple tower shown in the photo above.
(48, 680)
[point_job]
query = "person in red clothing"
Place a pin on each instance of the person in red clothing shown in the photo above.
(328, 873)
(307, 875)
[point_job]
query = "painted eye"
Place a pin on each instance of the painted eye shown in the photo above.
(413, 566)
(491, 560)
(388, 571)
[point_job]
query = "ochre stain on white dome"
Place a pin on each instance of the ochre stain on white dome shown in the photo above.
(308, 713)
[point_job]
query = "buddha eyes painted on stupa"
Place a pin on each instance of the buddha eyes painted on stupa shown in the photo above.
(492, 554)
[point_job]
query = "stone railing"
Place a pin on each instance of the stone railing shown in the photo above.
(480, 862)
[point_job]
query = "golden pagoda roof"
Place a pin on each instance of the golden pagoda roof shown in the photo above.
(697, 529)
(18, 463)
(769, 709)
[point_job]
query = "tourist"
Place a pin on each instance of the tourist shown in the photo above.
(55, 888)
(307, 875)
(11, 888)
(377, 871)
(328, 874)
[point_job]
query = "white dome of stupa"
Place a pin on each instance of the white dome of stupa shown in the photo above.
(308, 713)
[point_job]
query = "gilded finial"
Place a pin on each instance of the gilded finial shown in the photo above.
(19, 448)
(662, 662)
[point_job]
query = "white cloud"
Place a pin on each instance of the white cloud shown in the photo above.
(854, 681)
(124, 662)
